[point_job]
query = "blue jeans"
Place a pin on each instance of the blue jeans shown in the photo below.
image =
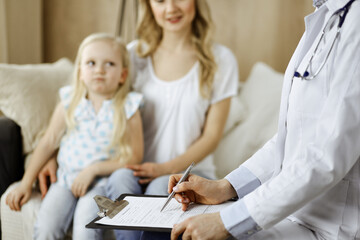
(60, 207)
(123, 181)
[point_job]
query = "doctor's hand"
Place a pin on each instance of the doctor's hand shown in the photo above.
(204, 226)
(47, 175)
(200, 190)
(147, 171)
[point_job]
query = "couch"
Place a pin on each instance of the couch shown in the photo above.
(28, 94)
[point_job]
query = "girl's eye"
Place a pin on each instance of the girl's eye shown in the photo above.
(110, 64)
(90, 63)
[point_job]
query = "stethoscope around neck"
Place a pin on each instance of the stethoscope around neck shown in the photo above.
(341, 13)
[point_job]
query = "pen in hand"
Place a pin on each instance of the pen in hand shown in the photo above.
(186, 174)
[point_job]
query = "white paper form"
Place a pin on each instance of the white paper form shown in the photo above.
(145, 212)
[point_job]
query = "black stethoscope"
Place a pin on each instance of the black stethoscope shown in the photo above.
(341, 13)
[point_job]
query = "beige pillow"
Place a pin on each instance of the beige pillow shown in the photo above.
(29, 93)
(261, 96)
(237, 114)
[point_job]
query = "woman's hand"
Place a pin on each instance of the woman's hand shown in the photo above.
(18, 197)
(147, 171)
(200, 190)
(82, 182)
(47, 172)
(204, 226)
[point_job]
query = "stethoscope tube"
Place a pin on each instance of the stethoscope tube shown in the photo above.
(306, 75)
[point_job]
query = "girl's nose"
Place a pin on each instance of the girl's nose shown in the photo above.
(100, 69)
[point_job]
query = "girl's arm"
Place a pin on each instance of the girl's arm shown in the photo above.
(105, 168)
(46, 147)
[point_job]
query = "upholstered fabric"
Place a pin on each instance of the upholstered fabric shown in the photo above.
(28, 95)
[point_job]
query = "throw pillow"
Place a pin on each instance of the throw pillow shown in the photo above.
(29, 93)
(261, 95)
(237, 113)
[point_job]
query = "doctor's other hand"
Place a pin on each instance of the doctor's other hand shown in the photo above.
(47, 175)
(200, 190)
(204, 226)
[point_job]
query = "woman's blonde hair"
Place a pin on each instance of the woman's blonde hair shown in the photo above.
(119, 142)
(150, 33)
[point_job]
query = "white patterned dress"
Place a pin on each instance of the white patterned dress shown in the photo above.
(89, 141)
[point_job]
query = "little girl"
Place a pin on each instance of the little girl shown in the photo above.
(98, 126)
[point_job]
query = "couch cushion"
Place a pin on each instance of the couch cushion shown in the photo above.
(28, 95)
(260, 96)
(237, 114)
(19, 225)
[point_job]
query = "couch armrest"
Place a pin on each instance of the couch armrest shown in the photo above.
(11, 153)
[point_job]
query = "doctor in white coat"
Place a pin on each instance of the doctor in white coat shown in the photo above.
(305, 182)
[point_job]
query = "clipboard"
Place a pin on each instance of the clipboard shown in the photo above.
(93, 223)
(172, 211)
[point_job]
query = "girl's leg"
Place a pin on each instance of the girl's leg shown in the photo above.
(123, 181)
(55, 215)
(85, 211)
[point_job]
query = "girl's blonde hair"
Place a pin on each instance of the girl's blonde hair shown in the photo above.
(150, 32)
(120, 141)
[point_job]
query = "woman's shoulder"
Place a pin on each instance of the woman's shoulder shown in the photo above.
(224, 57)
(137, 62)
(222, 52)
(131, 46)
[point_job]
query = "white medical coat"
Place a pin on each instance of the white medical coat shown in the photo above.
(310, 169)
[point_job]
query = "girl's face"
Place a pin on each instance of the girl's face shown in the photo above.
(173, 15)
(101, 68)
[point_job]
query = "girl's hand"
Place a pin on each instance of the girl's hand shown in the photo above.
(147, 171)
(82, 182)
(18, 197)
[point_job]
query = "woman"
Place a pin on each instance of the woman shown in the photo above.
(187, 83)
